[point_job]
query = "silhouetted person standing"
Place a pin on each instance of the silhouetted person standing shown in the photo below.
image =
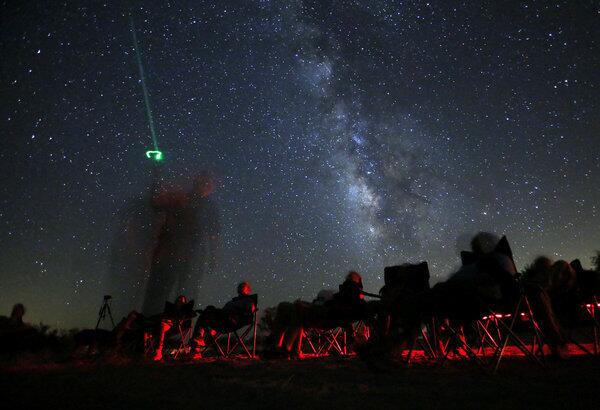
(136, 236)
(187, 243)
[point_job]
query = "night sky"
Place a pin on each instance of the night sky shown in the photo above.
(344, 135)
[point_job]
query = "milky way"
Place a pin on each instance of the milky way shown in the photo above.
(345, 135)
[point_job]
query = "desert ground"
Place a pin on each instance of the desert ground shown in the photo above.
(332, 383)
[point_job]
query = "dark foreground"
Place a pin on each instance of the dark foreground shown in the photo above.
(308, 384)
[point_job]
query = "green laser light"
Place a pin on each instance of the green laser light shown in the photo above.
(155, 155)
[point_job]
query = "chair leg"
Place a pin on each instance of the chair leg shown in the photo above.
(241, 342)
(215, 341)
(510, 334)
(427, 343)
(308, 337)
(457, 341)
(254, 325)
(536, 327)
(333, 342)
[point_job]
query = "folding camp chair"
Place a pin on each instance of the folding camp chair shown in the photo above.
(177, 339)
(414, 279)
(231, 340)
(490, 330)
(496, 325)
(427, 340)
(588, 282)
(506, 327)
(452, 341)
(585, 331)
(592, 311)
(322, 342)
(325, 340)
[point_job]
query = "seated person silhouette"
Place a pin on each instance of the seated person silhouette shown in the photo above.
(15, 321)
(326, 312)
(486, 280)
(236, 313)
(588, 280)
(15, 334)
(176, 317)
(552, 289)
(348, 304)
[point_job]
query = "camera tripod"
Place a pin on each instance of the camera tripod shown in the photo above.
(104, 311)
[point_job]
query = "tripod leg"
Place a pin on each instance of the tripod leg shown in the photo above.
(110, 315)
(101, 314)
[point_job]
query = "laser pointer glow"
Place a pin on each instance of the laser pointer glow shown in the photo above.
(155, 155)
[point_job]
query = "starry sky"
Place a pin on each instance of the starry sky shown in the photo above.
(344, 135)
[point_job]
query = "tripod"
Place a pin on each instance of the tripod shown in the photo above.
(105, 310)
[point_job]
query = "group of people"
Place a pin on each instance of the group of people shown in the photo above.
(328, 310)
(487, 281)
(177, 318)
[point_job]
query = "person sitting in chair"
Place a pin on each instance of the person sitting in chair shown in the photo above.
(236, 313)
(350, 292)
(326, 312)
(15, 334)
(486, 280)
(588, 280)
(348, 305)
(553, 293)
(179, 314)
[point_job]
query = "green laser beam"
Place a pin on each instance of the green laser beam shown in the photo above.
(144, 88)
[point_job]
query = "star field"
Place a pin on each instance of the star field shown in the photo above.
(344, 135)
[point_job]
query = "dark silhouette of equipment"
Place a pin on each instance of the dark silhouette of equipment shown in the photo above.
(105, 311)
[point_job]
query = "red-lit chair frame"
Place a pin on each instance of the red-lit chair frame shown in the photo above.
(229, 342)
(591, 311)
(451, 341)
(490, 330)
(427, 340)
(522, 310)
(493, 331)
(181, 344)
(322, 342)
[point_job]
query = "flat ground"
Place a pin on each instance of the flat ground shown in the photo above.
(307, 384)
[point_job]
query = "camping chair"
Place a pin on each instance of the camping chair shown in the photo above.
(588, 282)
(490, 330)
(325, 341)
(414, 279)
(231, 340)
(592, 311)
(322, 342)
(524, 311)
(426, 340)
(177, 338)
(496, 325)
(506, 324)
(583, 331)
